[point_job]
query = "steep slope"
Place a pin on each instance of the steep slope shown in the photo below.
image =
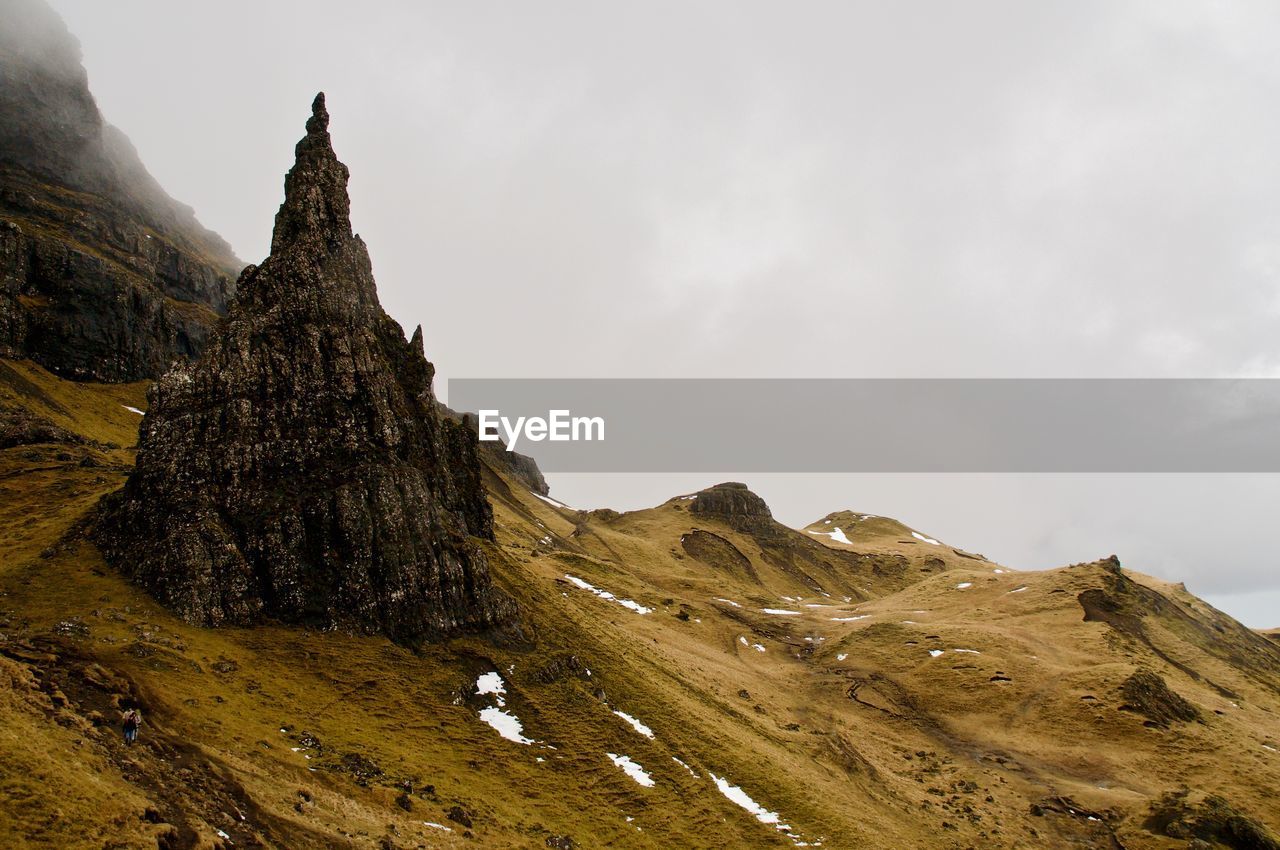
(102, 275)
(298, 470)
(1034, 725)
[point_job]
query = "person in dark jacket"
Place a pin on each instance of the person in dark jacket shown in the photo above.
(132, 720)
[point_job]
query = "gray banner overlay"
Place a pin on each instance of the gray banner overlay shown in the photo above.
(892, 425)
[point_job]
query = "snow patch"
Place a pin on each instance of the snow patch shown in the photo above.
(134, 410)
(437, 826)
(491, 683)
(728, 602)
(740, 798)
(935, 652)
(970, 651)
(849, 619)
(781, 612)
(963, 585)
(635, 724)
(552, 502)
(505, 724)
(835, 534)
(630, 604)
(692, 772)
(1018, 589)
(842, 656)
(631, 769)
(918, 536)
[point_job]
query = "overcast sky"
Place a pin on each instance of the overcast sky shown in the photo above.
(773, 190)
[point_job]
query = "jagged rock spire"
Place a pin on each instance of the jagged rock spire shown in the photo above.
(299, 471)
(316, 202)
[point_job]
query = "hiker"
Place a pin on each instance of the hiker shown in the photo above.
(132, 720)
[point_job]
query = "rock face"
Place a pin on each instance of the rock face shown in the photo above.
(735, 504)
(1146, 693)
(102, 275)
(520, 467)
(298, 470)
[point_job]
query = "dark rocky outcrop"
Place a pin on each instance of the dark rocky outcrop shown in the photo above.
(1210, 820)
(1141, 613)
(21, 427)
(102, 275)
(1146, 693)
(520, 467)
(735, 504)
(299, 470)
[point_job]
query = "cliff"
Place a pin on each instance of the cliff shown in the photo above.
(103, 276)
(299, 471)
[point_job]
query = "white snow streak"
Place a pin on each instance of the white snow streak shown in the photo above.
(604, 594)
(635, 724)
(552, 502)
(738, 796)
(631, 769)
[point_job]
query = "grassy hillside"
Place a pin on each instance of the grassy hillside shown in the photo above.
(883, 692)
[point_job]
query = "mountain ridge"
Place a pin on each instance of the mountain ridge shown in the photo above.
(103, 276)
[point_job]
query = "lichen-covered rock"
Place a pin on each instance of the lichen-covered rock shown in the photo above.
(21, 427)
(102, 275)
(298, 470)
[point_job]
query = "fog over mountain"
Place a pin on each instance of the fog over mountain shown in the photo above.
(743, 190)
